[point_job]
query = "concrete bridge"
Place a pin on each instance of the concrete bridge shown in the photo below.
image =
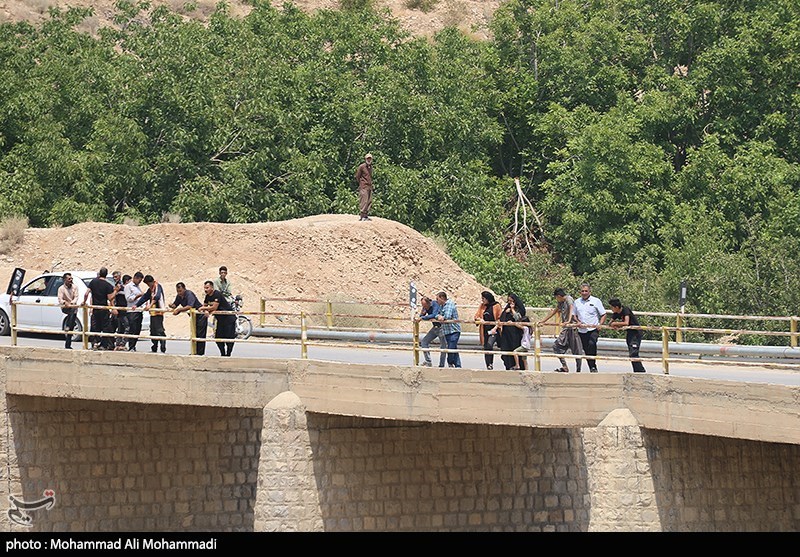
(143, 442)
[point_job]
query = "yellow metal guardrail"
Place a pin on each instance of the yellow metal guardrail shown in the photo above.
(536, 352)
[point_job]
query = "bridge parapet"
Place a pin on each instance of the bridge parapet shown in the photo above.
(762, 412)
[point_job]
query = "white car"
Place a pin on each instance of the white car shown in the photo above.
(38, 303)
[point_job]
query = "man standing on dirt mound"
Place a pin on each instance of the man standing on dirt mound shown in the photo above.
(364, 180)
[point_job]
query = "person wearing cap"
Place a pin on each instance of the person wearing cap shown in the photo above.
(364, 180)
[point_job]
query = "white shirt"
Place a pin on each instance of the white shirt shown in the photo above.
(132, 293)
(589, 311)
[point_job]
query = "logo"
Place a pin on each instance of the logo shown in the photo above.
(18, 513)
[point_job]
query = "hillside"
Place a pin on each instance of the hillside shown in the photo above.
(320, 257)
(471, 16)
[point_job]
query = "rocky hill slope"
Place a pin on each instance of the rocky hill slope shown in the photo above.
(472, 16)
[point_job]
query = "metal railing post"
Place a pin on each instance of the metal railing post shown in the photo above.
(13, 323)
(537, 348)
(193, 331)
(85, 328)
(793, 330)
(329, 313)
(416, 343)
(678, 327)
(665, 350)
(303, 336)
(263, 310)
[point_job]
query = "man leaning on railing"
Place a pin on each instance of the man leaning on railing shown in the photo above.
(448, 316)
(621, 317)
(185, 301)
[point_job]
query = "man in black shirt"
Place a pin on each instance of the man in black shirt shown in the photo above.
(184, 301)
(154, 301)
(226, 324)
(102, 295)
(623, 317)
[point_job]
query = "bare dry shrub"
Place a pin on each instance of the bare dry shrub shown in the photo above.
(170, 218)
(40, 6)
(12, 232)
(454, 13)
(89, 26)
(440, 241)
(130, 221)
(355, 4)
(422, 5)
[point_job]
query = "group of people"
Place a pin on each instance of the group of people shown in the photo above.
(125, 301)
(505, 328)
(509, 330)
(443, 316)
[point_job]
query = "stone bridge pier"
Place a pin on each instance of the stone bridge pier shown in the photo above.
(333, 473)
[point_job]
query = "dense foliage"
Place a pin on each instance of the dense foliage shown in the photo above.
(656, 140)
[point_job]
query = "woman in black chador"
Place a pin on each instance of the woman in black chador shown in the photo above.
(510, 337)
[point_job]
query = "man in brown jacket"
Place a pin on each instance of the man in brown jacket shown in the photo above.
(364, 180)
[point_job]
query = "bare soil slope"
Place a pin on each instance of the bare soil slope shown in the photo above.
(472, 16)
(323, 257)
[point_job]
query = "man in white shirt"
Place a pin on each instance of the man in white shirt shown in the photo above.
(590, 312)
(68, 299)
(132, 294)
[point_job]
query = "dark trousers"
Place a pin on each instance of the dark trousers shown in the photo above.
(488, 345)
(101, 323)
(69, 325)
(633, 338)
(134, 327)
(589, 343)
(453, 358)
(157, 330)
(201, 328)
(568, 339)
(226, 328)
(121, 325)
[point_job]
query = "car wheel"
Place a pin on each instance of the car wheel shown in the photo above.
(78, 329)
(5, 324)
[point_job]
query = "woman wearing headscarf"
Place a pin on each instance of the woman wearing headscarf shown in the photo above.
(510, 337)
(488, 311)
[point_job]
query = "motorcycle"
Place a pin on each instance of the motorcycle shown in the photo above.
(244, 326)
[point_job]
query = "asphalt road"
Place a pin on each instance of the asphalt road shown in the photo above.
(372, 353)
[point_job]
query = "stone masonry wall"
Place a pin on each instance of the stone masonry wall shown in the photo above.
(133, 467)
(9, 468)
(287, 498)
(378, 475)
(650, 480)
(715, 484)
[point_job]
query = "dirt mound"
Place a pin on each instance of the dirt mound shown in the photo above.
(323, 257)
